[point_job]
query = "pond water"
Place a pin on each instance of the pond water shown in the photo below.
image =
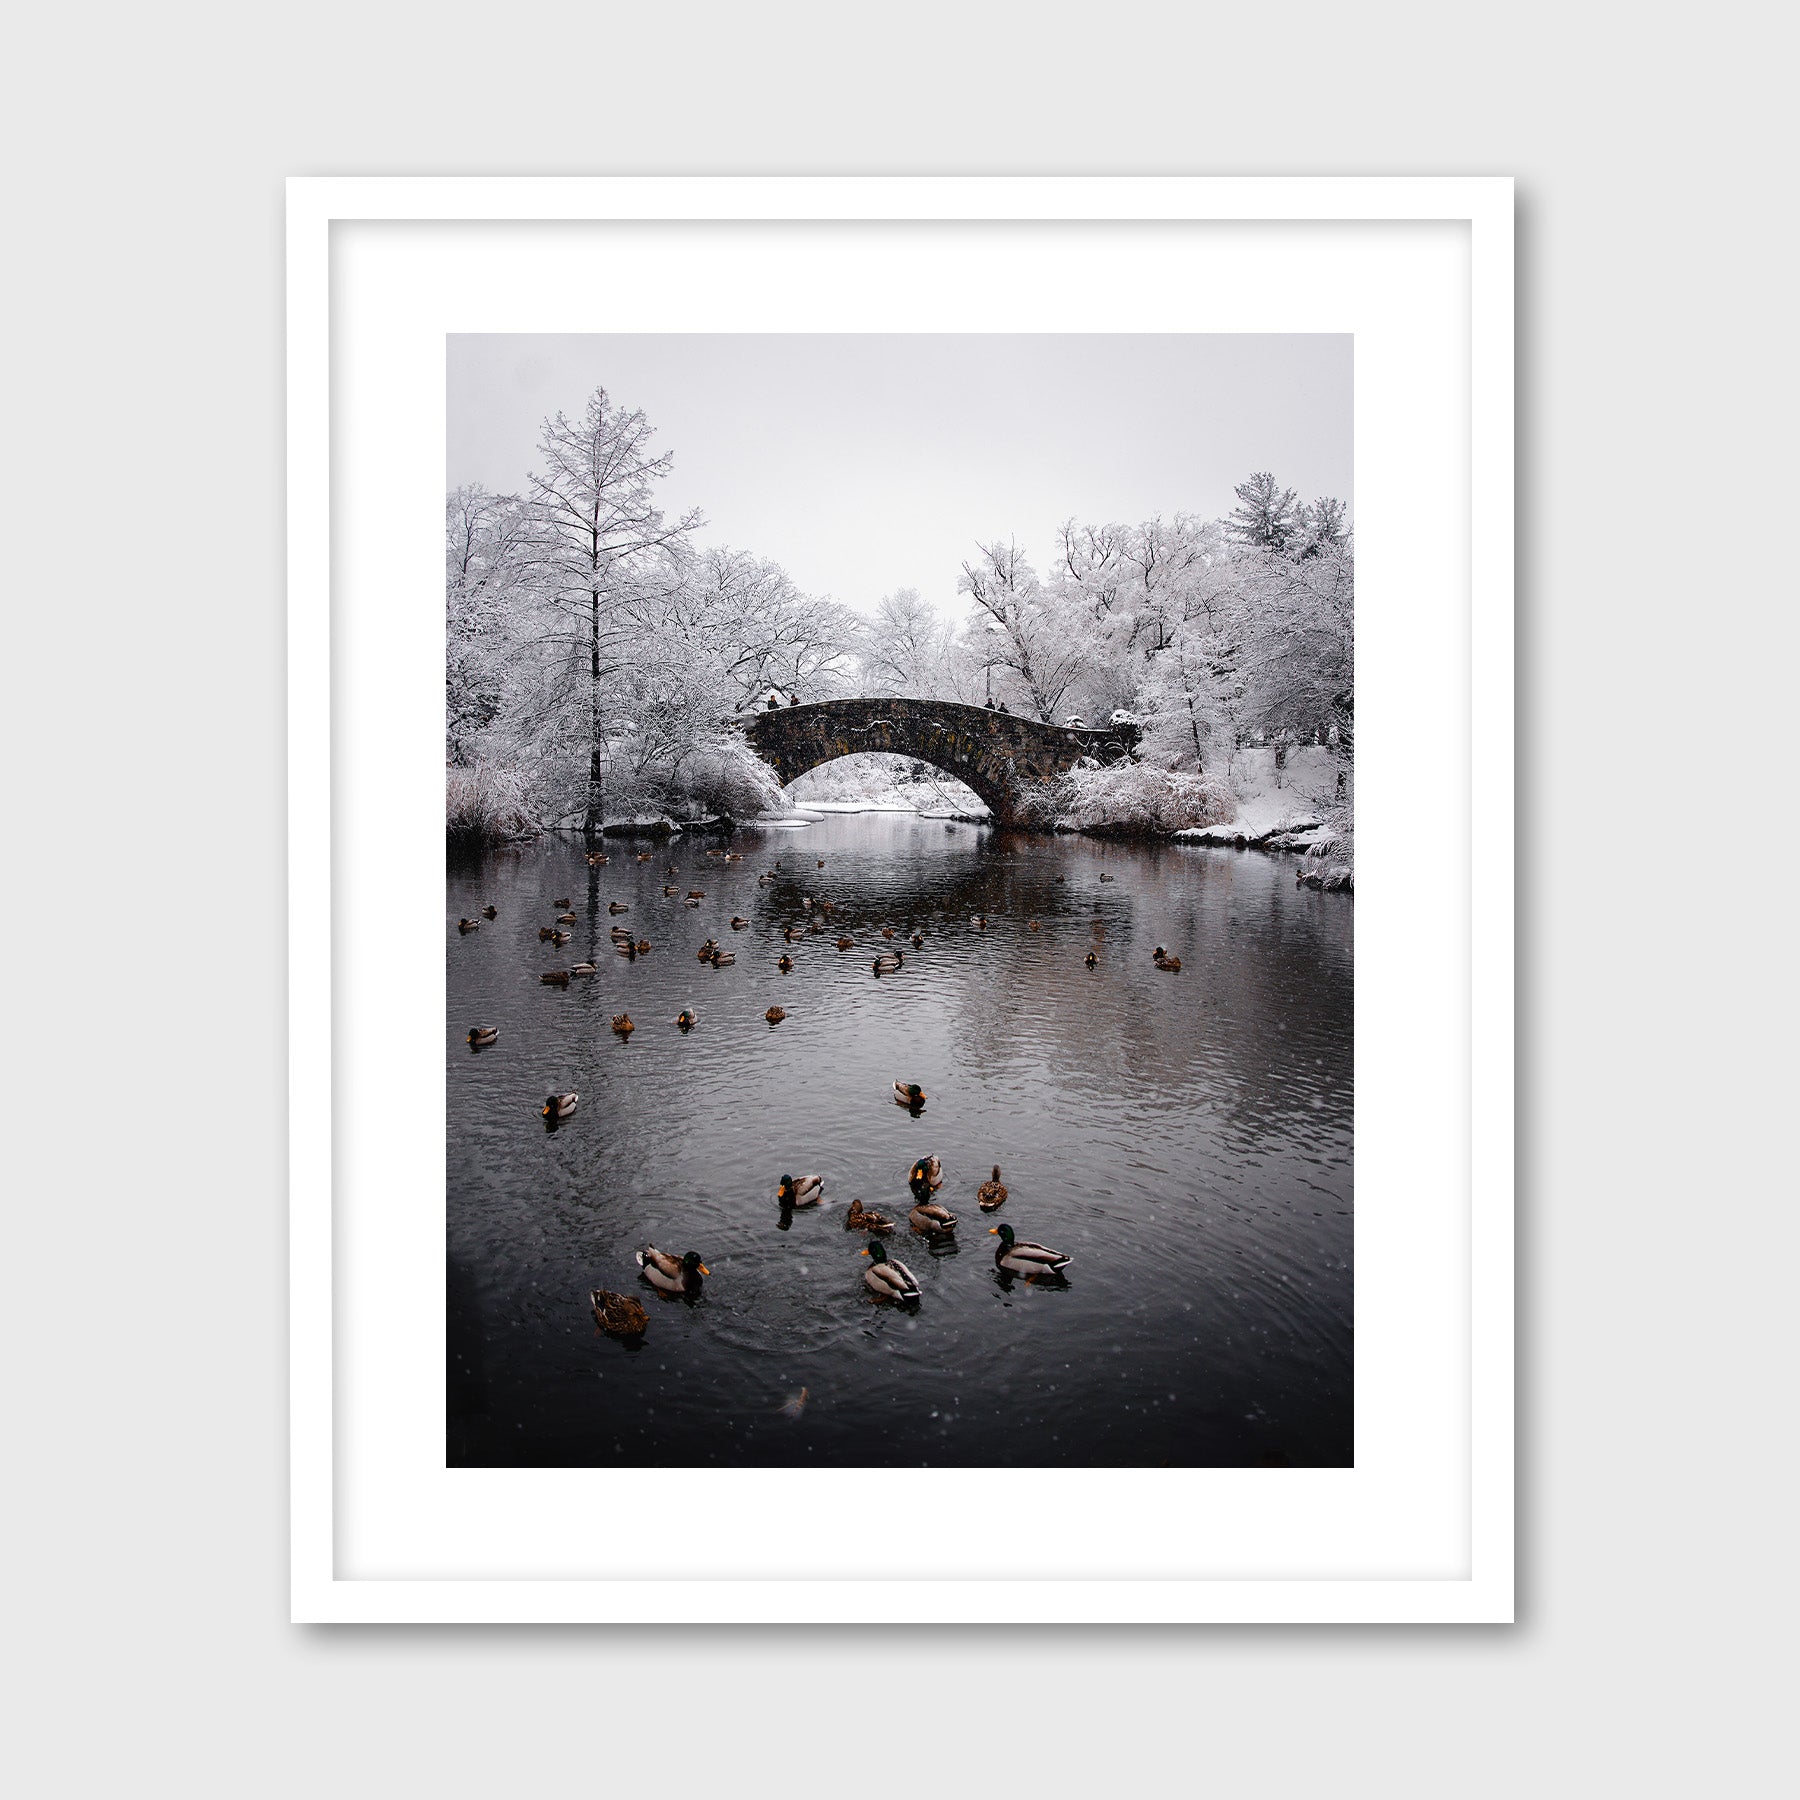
(1185, 1138)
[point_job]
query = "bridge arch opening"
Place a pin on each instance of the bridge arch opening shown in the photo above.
(881, 776)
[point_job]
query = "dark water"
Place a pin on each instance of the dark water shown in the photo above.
(1186, 1138)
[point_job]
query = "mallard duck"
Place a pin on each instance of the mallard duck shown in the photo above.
(706, 950)
(671, 892)
(918, 941)
(860, 1218)
(722, 959)
(618, 1313)
(885, 965)
(979, 921)
(786, 965)
(596, 860)
(559, 1106)
(643, 946)
(930, 1220)
(845, 943)
(925, 1177)
(1164, 960)
(480, 1036)
(690, 901)
(564, 901)
(467, 925)
(887, 931)
(546, 933)
(685, 1018)
(615, 907)
(673, 1275)
(583, 969)
(887, 1278)
(775, 1014)
(1091, 959)
(555, 978)
(821, 862)
(1019, 1256)
(622, 1024)
(625, 948)
(559, 937)
(734, 856)
(764, 879)
(1032, 926)
(738, 924)
(992, 1192)
(696, 895)
(567, 918)
(645, 856)
(490, 912)
(672, 870)
(792, 934)
(825, 906)
(908, 1093)
(800, 1190)
(1105, 877)
(806, 901)
(815, 927)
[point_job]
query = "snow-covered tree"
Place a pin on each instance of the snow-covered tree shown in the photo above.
(483, 536)
(594, 520)
(904, 647)
(1039, 646)
(1324, 526)
(1266, 516)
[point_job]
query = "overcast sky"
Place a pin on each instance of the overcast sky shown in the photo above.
(864, 464)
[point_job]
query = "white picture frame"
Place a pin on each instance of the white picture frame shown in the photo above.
(1421, 269)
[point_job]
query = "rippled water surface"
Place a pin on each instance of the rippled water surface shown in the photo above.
(1186, 1138)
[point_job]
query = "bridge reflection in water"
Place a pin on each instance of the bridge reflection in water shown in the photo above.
(995, 753)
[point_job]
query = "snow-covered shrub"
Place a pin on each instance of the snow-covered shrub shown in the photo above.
(726, 777)
(484, 806)
(1334, 849)
(1132, 800)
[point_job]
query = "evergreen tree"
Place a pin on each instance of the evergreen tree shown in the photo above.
(1266, 516)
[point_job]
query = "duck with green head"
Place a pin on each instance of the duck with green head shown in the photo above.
(800, 1190)
(1019, 1256)
(671, 1274)
(909, 1094)
(886, 1277)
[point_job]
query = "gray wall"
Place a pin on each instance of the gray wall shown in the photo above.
(145, 1318)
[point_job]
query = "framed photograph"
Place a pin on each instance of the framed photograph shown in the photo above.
(959, 736)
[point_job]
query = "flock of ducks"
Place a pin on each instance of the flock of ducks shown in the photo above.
(887, 1278)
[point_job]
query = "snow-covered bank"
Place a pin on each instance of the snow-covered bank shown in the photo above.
(1296, 800)
(1302, 807)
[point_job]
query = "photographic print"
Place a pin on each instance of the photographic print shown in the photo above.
(900, 867)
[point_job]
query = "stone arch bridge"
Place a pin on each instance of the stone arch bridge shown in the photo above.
(994, 752)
